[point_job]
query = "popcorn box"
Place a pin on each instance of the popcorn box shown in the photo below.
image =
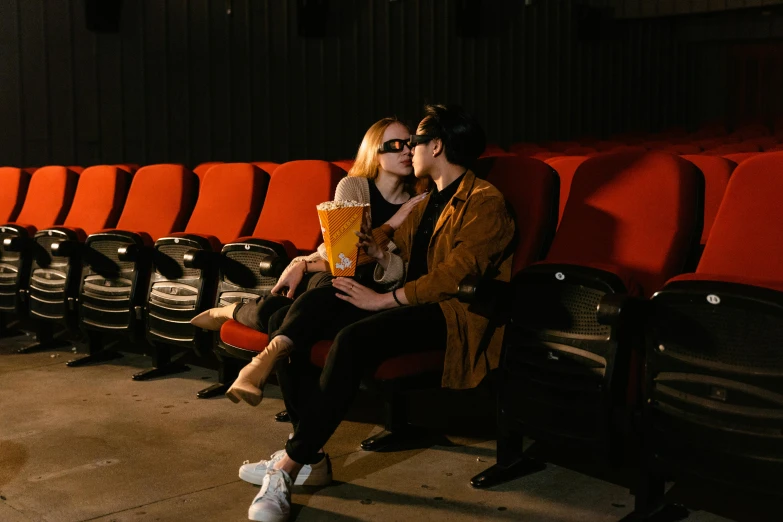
(340, 220)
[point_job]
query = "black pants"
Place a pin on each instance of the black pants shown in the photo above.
(317, 400)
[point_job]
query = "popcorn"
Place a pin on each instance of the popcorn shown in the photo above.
(340, 220)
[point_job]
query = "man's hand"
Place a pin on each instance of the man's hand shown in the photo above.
(360, 296)
(290, 278)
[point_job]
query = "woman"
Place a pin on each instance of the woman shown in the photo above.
(382, 176)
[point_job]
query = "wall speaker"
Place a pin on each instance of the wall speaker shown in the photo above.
(312, 17)
(103, 16)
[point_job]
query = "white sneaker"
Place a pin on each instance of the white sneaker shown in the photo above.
(319, 474)
(273, 501)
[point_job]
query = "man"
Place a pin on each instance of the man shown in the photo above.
(462, 228)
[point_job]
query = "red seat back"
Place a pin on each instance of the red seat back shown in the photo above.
(531, 188)
(99, 198)
(202, 168)
(294, 191)
(579, 151)
(49, 197)
(739, 157)
(745, 240)
(159, 200)
(229, 201)
(344, 164)
(716, 171)
(267, 166)
(682, 148)
(525, 149)
(638, 212)
(566, 167)
(13, 188)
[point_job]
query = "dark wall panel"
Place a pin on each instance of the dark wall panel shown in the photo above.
(187, 81)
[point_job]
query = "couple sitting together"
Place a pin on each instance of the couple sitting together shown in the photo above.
(432, 223)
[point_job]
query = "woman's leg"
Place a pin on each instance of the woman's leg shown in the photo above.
(357, 349)
(256, 314)
(317, 314)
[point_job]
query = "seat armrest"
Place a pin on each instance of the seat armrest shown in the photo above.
(614, 308)
(199, 258)
(275, 256)
(67, 248)
(16, 243)
(473, 289)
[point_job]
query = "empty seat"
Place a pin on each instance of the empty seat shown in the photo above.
(716, 171)
(13, 189)
(682, 148)
(48, 199)
(287, 227)
(631, 222)
(202, 168)
(752, 130)
(344, 164)
(565, 166)
(714, 364)
(493, 149)
(766, 142)
(739, 157)
(267, 166)
(546, 155)
(116, 262)
(56, 263)
(75, 168)
(525, 149)
(560, 146)
(185, 264)
(579, 151)
(732, 148)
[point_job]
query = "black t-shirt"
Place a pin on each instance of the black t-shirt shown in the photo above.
(417, 265)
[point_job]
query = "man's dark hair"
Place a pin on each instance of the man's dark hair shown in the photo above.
(459, 131)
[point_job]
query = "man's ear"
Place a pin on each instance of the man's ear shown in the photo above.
(437, 147)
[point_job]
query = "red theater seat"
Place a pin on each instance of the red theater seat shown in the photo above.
(287, 227)
(116, 261)
(203, 168)
(630, 223)
(13, 189)
(525, 149)
(565, 168)
(48, 199)
(267, 166)
(732, 148)
(344, 164)
(56, 266)
(579, 151)
(682, 148)
(716, 171)
(713, 358)
(185, 264)
(739, 157)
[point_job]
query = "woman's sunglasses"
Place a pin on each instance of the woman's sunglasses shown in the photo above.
(399, 145)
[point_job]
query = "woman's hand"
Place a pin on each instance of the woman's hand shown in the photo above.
(367, 241)
(402, 214)
(290, 278)
(358, 295)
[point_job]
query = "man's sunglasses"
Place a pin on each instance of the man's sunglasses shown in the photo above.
(399, 145)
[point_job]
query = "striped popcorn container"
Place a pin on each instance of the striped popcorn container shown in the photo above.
(340, 220)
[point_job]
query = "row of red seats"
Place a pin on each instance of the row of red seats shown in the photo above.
(631, 224)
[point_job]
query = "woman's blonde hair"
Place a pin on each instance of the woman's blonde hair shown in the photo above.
(366, 164)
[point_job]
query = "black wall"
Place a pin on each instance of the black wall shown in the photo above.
(185, 81)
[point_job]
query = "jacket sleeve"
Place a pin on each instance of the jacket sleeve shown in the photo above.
(479, 245)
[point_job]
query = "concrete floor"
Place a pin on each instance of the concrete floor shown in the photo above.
(89, 443)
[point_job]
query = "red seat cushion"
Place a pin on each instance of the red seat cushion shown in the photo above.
(159, 200)
(717, 171)
(294, 191)
(637, 211)
(745, 240)
(49, 197)
(229, 201)
(99, 198)
(14, 183)
(406, 365)
(236, 334)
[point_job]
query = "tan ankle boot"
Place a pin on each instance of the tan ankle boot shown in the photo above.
(213, 318)
(249, 384)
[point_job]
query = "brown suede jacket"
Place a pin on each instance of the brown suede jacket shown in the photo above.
(472, 237)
